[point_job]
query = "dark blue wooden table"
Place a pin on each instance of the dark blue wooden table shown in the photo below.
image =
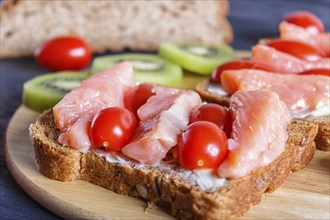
(251, 20)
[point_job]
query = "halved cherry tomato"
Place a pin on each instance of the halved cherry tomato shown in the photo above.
(296, 48)
(237, 65)
(112, 128)
(306, 20)
(214, 113)
(202, 145)
(64, 53)
(137, 96)
(324, 72)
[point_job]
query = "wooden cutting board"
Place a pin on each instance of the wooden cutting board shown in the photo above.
(304, 195)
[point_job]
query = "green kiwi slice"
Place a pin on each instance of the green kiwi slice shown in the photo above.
(44, 91)
(196, 58)
(147, 68)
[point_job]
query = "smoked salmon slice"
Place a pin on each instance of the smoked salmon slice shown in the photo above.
(301, 93)
(293, 32)
(75, 111)
(285, 63)
(259, 132)
(162, 118)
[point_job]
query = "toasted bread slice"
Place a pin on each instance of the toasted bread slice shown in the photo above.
(322, 139)
(166, 186)
(112, 25)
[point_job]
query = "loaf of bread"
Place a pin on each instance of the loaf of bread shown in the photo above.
(322, 139)
(167, 187)
(112, 25)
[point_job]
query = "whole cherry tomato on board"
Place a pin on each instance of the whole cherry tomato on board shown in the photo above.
(137, 96)
(296, 48)
(324, 72)
(306, 20)
(202, 145)
(214, 113)
(63, 53)
(112, 128)
(237, 65)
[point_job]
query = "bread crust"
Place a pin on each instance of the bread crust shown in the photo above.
(223, 13)
(164, 187)
(322, 138)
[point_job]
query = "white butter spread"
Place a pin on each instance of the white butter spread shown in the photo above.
(112, 157)
(216, 89)
(206, 179)
(321, 109)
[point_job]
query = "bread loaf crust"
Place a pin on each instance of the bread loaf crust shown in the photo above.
(166, 188)
(112, 25)
(322, 138)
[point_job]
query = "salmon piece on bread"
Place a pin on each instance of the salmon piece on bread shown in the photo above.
(162, 119)
(285, 63)
(301, 93)
(258, 132)
(290, 31)
(74, 112)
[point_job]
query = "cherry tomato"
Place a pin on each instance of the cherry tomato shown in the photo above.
(202, 145)
(214, 113)
(63, 53)
(306, 20)
(296, 48)
(137, 96)
(324, 72)
(237, 65)
(112, 128)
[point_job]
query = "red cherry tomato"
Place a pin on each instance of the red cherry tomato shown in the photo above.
(112, 128)
(324, 72)
(137, 96)
(306, 20)
(214, 113)
(202, 145)
(63, 53)
(296, 48)
(237, 65)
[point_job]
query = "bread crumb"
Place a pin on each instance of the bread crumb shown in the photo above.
(150, 207)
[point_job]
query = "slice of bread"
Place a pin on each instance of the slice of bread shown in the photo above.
(169, 187)
(112, 25)
(322, 139)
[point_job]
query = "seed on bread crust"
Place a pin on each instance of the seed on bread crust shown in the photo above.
(142, 190)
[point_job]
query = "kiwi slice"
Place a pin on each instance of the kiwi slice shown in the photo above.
(43, 92)
(196, 58)
(147, 68)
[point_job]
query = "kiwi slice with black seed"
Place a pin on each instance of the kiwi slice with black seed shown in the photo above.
(44, 91)
(197, 58)
(147, 68)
